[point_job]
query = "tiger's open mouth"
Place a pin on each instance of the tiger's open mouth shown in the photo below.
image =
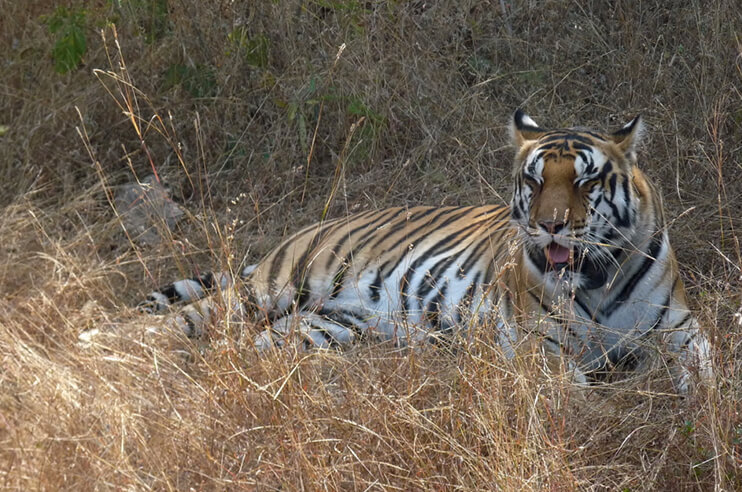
(558, 256)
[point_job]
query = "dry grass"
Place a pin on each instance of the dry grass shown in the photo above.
(230, 98)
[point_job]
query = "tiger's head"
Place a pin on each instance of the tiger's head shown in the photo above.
(575, 198)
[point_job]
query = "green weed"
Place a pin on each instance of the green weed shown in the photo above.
(69, 27)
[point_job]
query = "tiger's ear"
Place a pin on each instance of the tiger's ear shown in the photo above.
(629, 136)
(523, 129)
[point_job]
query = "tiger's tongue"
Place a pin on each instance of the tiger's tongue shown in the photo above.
(557, 254)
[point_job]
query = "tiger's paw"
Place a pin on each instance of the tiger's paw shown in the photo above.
(308, 330)
(155, 303)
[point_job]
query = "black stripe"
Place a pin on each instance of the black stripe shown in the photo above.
(446, 261)
(279, 255)
(664, 309)
(403, 283)
(594, 135)
(607, 168)
(690, 338)
(337, 281)
(589, 165)
(490, 273)
(302, 295)
(348, 320)
(469, 293)
(300, 270)
(626, 185)
(375, 287)
(489, 240)
(382, 218)
(580, 146)
(168, 291)
(281, 251)
(344, 264)
(622, 220)
(433, 309)
(654, 249)
(432, 278)
(403, 223)
(206, 280)
(685, 319)
(412, 236)
(560, 144)
(435, 249)
(444, 264)
(566, 137)
(516, 212)
(474, 249)
(537, 256)
(441, 245)
(347, 236)
(475, 254)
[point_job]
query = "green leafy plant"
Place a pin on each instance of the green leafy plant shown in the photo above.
(70, 47)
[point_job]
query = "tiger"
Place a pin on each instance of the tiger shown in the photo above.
(581, 258)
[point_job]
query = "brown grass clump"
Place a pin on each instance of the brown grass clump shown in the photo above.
(259, 121)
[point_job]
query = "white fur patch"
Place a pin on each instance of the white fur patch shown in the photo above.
(528, 121)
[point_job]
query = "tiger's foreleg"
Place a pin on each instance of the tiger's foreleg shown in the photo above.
(693, 352)
(309, 329)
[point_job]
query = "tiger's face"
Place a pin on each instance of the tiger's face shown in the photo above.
(574, 199)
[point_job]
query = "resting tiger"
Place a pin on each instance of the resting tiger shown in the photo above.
(581, 258)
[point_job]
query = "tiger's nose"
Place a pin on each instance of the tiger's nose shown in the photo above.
(552, 226)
